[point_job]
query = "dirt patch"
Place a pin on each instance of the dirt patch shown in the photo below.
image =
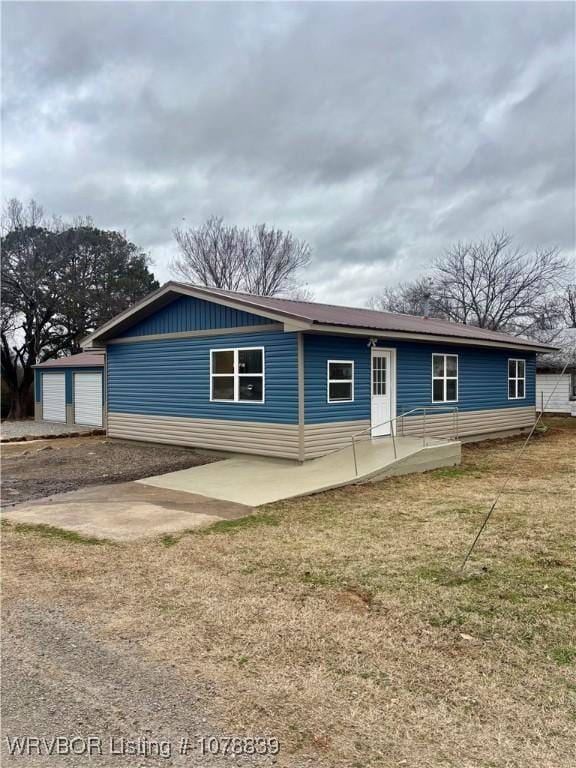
(44, 468)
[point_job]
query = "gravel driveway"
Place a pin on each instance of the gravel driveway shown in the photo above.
(60, 680)
(34, 430)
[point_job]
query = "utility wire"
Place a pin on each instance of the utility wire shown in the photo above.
(509, 477)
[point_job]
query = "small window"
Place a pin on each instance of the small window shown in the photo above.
(516, 379)
(340, 381)
(379, 363)
(573, 386)
(237, 375)
(444, 378)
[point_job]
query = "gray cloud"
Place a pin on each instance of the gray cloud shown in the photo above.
(379, 132)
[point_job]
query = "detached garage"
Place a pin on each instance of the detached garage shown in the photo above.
(556, 376)
(70, 390)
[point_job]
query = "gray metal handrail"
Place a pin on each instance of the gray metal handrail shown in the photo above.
(423, 408)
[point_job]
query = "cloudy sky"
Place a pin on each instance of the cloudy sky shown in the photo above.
(379, 132)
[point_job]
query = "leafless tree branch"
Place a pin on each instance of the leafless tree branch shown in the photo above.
(491, 284)
(259, 260)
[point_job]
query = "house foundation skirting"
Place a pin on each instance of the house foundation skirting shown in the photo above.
(286, 440)
(263, 439)
(320, 439)
(469, 424)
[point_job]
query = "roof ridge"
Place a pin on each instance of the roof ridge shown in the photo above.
(257, 296)
(443, 320)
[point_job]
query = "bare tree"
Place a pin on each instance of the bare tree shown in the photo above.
(16, 215)
(301, 292)
(568, 305)
(494, 285)
(259, 260)
(415, 298)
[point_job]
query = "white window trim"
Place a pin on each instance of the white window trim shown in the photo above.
(445, 378)
(339, 381)
(236, 375)
(516, 378)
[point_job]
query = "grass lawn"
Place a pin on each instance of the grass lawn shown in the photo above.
(341, 624)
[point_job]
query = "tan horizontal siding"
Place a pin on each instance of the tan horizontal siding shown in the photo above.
(320, 439)
(281, 440)
(468, 422)
(219, 435)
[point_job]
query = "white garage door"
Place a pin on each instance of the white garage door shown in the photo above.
(88, 399)
(53, 397)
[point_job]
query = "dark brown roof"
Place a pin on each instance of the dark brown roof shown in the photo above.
(370, 319)
(82, 360)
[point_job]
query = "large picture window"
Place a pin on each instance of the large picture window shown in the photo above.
(516, 379)
(444, 378)
(237, 375)
(340, 381)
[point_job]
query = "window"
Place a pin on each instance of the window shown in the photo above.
(237, 375)
(573, 386)
(340, 381)
(444, 378)
(379, 375)
(516, 379)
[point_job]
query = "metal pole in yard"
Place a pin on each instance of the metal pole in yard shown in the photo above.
(424, 435)
(510, 474)
(354, 453)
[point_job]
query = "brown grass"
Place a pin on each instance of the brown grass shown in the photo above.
(341, 624)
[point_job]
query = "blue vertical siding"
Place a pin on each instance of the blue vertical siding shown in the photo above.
(172, 378)
(189, 314)
(482, 384)
(68, 378)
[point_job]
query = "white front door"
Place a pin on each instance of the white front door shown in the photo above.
(382, 391)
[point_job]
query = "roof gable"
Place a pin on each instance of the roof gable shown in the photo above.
(187, 313)
(155, 302)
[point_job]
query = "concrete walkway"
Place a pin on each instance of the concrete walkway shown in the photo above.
(253, 480)
(125, 511)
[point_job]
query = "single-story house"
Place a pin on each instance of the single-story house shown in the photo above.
(556, 376)
(71, 390)
(230, 371)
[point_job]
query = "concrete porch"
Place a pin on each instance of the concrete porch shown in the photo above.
(254, 480)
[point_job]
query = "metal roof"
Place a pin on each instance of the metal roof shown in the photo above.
(313, 316)
(369, 319)
(81, 360)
